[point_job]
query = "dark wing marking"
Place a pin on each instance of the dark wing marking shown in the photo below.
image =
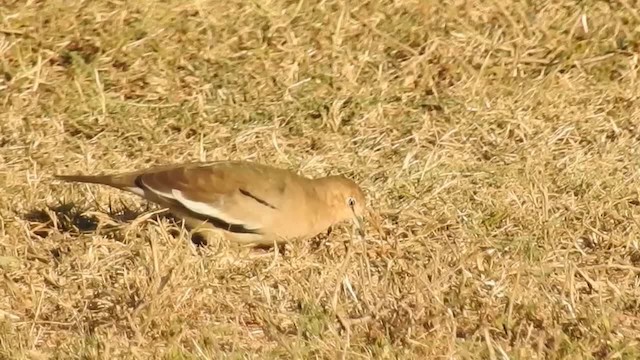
(138, 182)
(246, 193)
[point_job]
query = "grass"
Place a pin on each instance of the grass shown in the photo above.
(497, 141)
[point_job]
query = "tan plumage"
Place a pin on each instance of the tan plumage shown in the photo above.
(248, 203)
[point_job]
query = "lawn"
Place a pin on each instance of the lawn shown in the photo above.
(498, 143)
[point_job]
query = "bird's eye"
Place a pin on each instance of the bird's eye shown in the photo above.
(351, 202)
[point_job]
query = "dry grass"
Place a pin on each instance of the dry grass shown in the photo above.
(498, 142)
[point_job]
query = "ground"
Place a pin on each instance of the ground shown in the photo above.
(497, 143)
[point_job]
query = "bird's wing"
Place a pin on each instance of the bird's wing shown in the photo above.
(232, 195)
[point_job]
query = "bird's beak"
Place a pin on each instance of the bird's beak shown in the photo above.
(359, 222)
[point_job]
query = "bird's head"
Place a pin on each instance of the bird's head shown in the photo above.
(347, 200)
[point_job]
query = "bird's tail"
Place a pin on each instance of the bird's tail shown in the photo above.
(119, 181)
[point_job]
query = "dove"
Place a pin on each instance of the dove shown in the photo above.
(248, 203)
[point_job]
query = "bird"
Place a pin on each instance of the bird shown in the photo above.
(249, 203)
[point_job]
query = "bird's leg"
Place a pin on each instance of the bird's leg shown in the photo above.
(207, 237)
(199, 239)
(281, 248)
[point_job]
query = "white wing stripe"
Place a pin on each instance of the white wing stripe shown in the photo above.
(207, 209)
(158, 192)
(136, 190)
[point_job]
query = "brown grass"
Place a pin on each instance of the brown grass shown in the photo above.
(498, 142)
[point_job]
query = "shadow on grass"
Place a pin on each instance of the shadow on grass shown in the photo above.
(68, 217)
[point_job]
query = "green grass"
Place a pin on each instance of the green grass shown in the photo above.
(497, 143)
